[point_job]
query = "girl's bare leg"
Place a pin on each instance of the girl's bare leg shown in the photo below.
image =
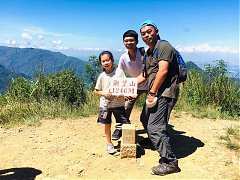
(107, 130)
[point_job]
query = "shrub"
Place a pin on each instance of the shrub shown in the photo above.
(64, 86)
(20, 89)
(215, 90)
(3, 100)
(194, 90)
(141, 101)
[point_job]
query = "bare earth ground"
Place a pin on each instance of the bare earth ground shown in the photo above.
(75, 149)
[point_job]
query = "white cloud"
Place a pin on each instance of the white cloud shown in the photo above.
(26, 36)
(89, 49)
(34, 30)
(58, 45)
(205, 47)
(62, 48)
(56, 42)
(38, 30)
(22, 46)
(40, 37)
(11, 42)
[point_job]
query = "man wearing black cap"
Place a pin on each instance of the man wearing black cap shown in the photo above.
(161, 74)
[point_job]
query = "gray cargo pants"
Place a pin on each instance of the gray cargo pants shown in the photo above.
(155, 121)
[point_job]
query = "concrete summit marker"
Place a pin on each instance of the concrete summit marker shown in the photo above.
(128, 145)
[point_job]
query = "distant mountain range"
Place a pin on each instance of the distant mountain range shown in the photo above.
(192, 66)
(6, 76)
(31, 60)
(26, 62)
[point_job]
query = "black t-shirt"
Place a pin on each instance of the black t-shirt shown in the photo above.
(163, 51)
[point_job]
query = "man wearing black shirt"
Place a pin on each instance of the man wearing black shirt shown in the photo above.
(161, 75)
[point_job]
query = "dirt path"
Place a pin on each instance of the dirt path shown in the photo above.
(75, 149)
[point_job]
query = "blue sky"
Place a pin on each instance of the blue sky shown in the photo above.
(76, 25)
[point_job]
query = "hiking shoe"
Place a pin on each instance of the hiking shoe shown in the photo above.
(117, 134)
(110, 149)
(166, 168)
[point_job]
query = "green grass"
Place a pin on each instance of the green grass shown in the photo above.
(208, 111)
(30, 113)
(234, 132)
(232, 138)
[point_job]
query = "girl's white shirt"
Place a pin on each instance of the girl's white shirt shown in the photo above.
(103, 84)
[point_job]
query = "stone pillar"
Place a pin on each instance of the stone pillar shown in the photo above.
(128, 145)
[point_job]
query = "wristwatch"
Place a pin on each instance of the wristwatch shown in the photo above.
(152, 93)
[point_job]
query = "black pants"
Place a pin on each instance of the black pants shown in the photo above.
(105, 115)
(130, 103)
(129, 106)
(155, 121)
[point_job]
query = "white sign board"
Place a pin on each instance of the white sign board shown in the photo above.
(123, 86)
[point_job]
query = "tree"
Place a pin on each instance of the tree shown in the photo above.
(93, 69)
(213, 71)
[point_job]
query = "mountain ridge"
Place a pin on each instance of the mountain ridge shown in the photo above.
(31, 60)
(5, 77)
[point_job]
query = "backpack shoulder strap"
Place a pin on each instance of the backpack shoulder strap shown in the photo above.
(142, 51)
(144, 71)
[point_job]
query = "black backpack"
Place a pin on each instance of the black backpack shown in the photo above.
(182, 68)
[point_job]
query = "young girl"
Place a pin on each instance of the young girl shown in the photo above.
(108, 103)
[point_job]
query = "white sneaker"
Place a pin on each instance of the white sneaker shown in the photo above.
(110, 149)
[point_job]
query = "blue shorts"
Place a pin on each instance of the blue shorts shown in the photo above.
(105, 115)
